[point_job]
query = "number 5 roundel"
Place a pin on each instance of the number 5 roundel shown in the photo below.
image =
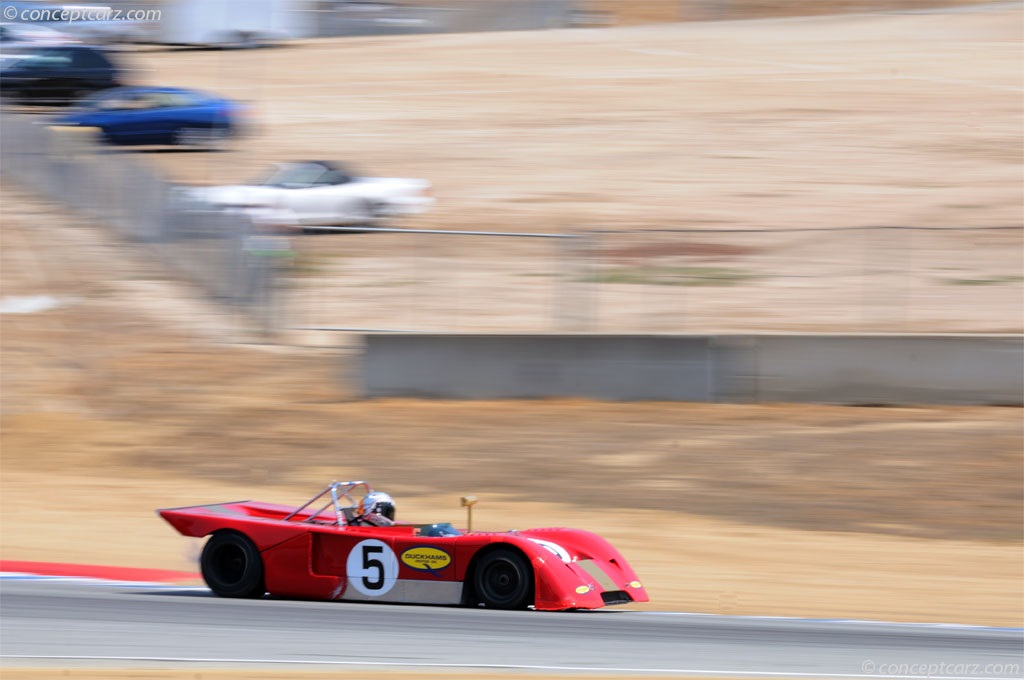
(372, 567)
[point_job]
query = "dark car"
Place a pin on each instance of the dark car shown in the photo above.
(158, 115)
(56, 74)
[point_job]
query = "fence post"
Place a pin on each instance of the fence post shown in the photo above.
(266, 256)
(574, 301)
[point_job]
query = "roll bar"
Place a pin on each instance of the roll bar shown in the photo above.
(338, 491)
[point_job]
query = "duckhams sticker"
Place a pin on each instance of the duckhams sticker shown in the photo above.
(426, 558)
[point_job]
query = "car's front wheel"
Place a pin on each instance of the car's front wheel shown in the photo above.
(365, 213)
(232, 566)
(503, 579)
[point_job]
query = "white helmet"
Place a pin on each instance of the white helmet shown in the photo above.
(376, 503)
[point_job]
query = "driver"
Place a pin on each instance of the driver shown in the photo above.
(376, 509)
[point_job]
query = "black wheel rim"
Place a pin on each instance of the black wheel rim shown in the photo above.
(502, 582)
(229, 563)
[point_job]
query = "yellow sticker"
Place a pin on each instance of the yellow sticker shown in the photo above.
(635, 584)
(582, 590)
(426, 558)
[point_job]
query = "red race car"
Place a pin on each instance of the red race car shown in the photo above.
(332, 552)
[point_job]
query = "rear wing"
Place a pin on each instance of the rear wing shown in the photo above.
(338, 510)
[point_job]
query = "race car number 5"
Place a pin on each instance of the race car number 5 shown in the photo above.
(372, 567)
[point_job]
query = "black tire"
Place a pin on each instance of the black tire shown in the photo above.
(232, 566)
(210, 138)
(503, 579)
(366, 214)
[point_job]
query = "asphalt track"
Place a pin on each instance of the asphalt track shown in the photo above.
(113, 625)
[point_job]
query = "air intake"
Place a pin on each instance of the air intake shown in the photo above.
(616, 597)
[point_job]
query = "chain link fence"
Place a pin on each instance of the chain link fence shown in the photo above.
(862, 279)
(326, 18)
(219, 251)
(868, 279)
(440, 16)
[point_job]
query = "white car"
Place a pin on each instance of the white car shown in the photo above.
(315, 194)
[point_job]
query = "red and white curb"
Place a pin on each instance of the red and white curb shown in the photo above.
(20, 570)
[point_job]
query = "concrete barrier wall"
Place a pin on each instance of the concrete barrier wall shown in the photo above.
(844, 369)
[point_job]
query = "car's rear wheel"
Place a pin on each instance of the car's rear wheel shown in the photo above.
(211, 138)
(232, 566)
(503, 579)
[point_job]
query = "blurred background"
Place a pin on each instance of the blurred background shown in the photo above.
(706, 177)
(207, 203)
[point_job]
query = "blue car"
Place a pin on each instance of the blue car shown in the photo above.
(158, 115)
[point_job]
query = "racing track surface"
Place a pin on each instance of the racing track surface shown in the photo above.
(48, 622)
